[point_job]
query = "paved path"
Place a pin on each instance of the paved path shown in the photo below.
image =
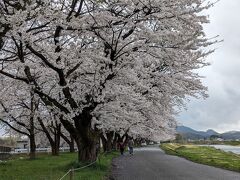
(152, 163)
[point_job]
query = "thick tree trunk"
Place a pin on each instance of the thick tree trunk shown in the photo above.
(109, 146)
(125, 138)
(87, 151)
(88, 138)
(109, 141)
(55, 149)
(56, 142)
(115, 141)
(71, 145)
(104, 142)
(31, 129)
(32, 153)
(85, 137)
(55, 152)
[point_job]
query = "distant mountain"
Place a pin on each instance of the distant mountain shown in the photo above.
(211, 132)
(231, 135)
(184, 129)
(190, 133)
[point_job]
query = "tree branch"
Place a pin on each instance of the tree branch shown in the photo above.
(15, 129)
(62, 81)
(14, 77)
(50, 101)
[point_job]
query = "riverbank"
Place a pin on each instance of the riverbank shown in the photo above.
(204, 155)
(214, 142)
(54, 167)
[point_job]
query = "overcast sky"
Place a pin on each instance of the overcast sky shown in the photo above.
(221, 111)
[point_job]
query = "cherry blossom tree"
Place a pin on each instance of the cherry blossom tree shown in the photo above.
(23, 112)
(134, 59)
(134, 115)
(18, 110)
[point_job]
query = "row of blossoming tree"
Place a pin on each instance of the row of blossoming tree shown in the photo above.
(99, 67)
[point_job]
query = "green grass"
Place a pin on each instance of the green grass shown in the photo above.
(47, 167)
(205, 155)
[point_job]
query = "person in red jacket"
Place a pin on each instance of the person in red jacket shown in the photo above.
(121, 146)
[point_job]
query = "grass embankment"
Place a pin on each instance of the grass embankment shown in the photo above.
(204, 155)
(47, 167)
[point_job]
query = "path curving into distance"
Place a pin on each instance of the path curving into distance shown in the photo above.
(151, 163)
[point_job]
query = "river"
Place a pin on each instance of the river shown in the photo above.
(227, 148)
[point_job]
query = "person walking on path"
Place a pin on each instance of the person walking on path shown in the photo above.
(121, 147)
(130, 146)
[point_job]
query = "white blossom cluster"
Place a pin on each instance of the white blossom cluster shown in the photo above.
(130, 62)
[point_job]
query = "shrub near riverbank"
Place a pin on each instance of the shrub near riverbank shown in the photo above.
(204, 155)
(54, 167)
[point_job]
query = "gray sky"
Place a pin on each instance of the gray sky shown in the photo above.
(221, 111)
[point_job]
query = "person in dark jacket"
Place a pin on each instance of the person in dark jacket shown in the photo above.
(130, 146)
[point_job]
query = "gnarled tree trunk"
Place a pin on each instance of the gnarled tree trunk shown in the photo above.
(85, 137)
(107, 143)
(87, 151)
(32, 154)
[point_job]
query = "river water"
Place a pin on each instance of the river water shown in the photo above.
(227, 148)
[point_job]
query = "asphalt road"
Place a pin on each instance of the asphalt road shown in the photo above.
(152, 163)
